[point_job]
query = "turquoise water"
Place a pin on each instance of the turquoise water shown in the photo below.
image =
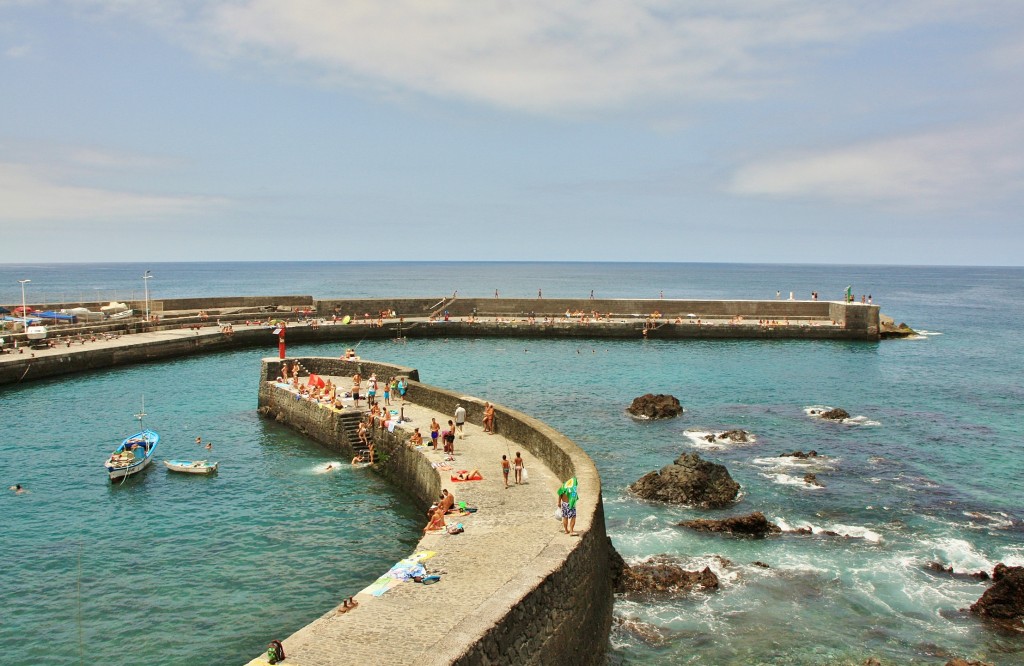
(168, 568)
(932, 470)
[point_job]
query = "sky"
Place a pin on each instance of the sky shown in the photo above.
(775, 131)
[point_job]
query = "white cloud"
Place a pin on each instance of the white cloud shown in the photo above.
(537, 55)
(959, 168)
(29, 196)
(20, 51)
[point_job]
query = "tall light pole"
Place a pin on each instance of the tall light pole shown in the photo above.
(24, 315)
(145, 284)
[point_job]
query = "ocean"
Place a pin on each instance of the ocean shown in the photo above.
(930, 469)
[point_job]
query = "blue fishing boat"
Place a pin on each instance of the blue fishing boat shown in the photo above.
(134, 453)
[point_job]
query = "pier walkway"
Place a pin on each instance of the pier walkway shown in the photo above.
(511, 543)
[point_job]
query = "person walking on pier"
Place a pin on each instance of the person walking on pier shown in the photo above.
(505, 466)
(567, 496)
(460, 420)
(517, 466)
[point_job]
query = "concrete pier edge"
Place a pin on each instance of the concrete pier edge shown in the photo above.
(554, 608)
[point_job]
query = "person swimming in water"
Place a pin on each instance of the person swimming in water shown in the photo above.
(18, 489)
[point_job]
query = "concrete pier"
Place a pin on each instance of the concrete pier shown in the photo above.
(183, 332)
(515, 587)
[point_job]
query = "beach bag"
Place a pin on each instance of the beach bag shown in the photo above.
(524, 474)
(558, 513)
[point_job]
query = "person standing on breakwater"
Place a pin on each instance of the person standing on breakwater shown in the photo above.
(435, 430)
(505, 469)
(518, 465)
(356, 381)
(460, 420)
(567, 496)
(488, 418)
(449, 438)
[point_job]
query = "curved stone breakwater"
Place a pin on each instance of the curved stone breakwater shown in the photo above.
(181, 332)
(515, 588)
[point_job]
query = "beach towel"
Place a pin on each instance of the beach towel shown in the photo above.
(463, 472)
(570, 488)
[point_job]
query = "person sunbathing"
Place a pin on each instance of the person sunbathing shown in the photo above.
(463, 475)
(447, 501)
(436, 521)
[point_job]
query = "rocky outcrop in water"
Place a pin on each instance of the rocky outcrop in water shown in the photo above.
(1004, 601)
(652, 406)
(800, 454)
(837, 414)
(938, 567)
(736, 436)
(811, 479)
(689, 480)
(752, 525)
(966, 662)
(645, 631)
(664, 575)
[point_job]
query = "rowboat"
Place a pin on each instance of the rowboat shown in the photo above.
(191, 466)
(132, 456)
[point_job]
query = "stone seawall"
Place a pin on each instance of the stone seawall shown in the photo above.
(166, 340)
(552, 600)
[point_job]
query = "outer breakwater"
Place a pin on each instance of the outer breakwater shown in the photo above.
(516, 589)
(181, 332)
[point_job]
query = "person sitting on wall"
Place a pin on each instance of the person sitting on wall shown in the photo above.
(436, 522)
(447, 501)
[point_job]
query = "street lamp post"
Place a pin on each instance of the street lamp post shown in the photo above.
(145, 284)
(24, 315)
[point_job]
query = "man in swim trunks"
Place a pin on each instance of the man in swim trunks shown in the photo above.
(567, 504)
(460, 420)
(447, 501)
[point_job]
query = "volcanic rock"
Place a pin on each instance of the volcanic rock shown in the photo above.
(1004, 601)
(754, 525)
(812, 479)
(689, 480)
(663, 575)
(759, 563)
(800, 454)
(966, 662)
(938, 567)
(837, 414)
(652, 406)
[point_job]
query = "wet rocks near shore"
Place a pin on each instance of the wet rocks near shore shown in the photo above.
(834, 414)
(736, 436)
(811, 479)
(1004, 601)
(689, 480)
(939, 567)
(752, 525)
(800, 454)
(650, 406)
(664, 575)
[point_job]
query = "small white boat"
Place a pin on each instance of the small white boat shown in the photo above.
(35, 332)
(113, 308)
(84, 314)
(191, 466)
(124, 314)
